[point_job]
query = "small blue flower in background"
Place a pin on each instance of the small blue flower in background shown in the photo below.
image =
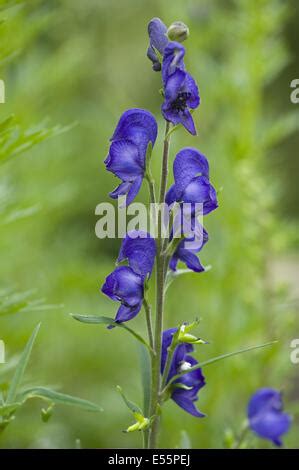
(187, 254)
(126, 283)
(186, 388)
(191, 181)
(266, 416)
(180, 89)
(157, 32)
(127, 153)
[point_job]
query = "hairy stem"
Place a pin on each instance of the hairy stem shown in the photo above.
(160, 291)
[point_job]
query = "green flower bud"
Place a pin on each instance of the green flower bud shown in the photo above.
(178, 31)
(183, 335)
(141, 423)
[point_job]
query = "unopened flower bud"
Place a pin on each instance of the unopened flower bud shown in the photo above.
(183, 335)
(141, 423)
(178, 31)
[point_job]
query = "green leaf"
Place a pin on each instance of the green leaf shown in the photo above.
(98, 320)
(21, 302)
(219, 358)
(14, 140)
(145, 365)
(21, 367)
(132, 407)
(58, 398)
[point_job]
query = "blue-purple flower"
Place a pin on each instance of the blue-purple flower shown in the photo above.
(266, 416)
(139, 248)
(126, 283)
(187, 249)
(180, 89)
(191, 182)
(185, 389)
(157, 32)
(127, 154)
(125, 286)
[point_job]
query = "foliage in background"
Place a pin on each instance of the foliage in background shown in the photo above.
(74, 68)
(14, 141)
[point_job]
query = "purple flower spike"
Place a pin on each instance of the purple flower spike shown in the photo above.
(127, 153)
(157, 32)
(191, 382)
(266, 416)
(191, 181)
(180, 89)
(125, 286)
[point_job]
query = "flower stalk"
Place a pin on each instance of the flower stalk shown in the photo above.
(160, 297)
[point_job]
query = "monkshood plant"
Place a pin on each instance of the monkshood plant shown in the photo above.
(170, 369)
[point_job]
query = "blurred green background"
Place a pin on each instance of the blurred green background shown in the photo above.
(81, 64)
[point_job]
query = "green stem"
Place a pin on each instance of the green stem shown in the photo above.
(160, 291)
(168, 363)
(148, 316)
(164, 174)
(151, 187)
(241, 437)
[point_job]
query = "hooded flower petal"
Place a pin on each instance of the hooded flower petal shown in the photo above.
(188, 164)
(173, 59)
(124, 160)
(125, 286)
(157, 32)
(139, 248)
(180, 89)
(266, 416)
(200, 191)
(192, 185)
(134, 122)
(174, 84)
(127, 153)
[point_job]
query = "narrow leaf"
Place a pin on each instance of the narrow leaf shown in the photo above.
(132, 407)
(58, 398)
(95, 319)
(219, 358)
(21, 367)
